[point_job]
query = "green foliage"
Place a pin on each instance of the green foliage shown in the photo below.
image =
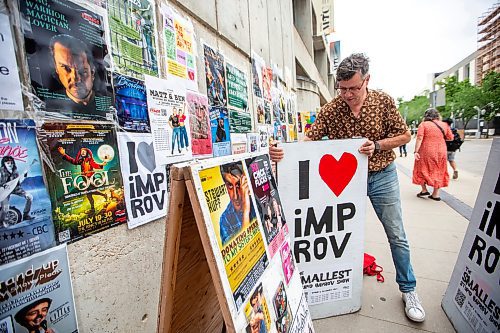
(414, 110)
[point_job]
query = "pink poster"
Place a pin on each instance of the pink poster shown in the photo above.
(201, 136)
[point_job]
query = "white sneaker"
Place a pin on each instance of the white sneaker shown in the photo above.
(413, 308)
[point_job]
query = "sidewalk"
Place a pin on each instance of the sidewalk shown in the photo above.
(435, 232)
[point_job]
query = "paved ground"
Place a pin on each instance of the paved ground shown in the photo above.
(435, 231)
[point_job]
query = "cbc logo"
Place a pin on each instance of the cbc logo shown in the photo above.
(41, 229)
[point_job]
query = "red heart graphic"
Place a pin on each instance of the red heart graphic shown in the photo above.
(337, 174)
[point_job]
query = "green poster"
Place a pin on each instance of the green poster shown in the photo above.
(236, 88)
(239, 122)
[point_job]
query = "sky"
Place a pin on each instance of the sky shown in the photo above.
(407, 40)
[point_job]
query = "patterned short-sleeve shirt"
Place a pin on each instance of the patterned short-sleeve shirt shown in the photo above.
(379, 119)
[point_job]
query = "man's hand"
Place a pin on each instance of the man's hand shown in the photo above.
(276, 153)
(245, 193)
(61, 150)
(367, 148)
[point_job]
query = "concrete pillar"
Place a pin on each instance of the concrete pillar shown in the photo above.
(302, 19)
(308, 98)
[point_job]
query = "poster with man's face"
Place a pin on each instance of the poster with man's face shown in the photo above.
(66, 51)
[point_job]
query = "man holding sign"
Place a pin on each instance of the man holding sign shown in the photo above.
(360, 112)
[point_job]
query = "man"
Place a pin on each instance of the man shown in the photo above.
(8, 173)
(220, 134)
(257, 322)
(174, 123)
(451, 151)
(85, 159)
(359, 111)
(239, 212)
(75, 70)
(33, 316)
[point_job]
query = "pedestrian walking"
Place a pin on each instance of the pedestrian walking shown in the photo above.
(373, 114)
(452, 147)
(430, 166)
(402, 150)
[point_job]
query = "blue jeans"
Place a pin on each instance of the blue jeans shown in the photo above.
(184, 136)
(383, 191)
(175, 138)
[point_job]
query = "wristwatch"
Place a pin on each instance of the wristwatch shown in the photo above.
(377, 146)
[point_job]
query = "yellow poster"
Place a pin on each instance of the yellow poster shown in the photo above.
(232, 214)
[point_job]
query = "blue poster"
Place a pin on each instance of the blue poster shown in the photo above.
(219, 124)
(25, 212)
(131, 104)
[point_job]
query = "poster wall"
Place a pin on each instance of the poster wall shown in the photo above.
(131, 104)
(25, 215)
(324, 184)
(70, 40)
(133, 37)
(472, 300)
(10, 96)
(180, 47)
(145, 181)
(37, 295)
(84, 178)
(199, 120)
(169, 120)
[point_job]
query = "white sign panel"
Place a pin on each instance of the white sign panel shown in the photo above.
(144, 180)
(10, 95)
(472, 300)
(169, 119)
(323, 190)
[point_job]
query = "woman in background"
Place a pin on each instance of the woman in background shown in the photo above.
(430, 155)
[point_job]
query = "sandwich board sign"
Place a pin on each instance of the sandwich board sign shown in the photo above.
(323, 185)
(472, 299)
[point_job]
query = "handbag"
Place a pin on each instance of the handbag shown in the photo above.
(371, 268)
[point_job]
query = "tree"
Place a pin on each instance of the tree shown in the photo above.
(414, 109)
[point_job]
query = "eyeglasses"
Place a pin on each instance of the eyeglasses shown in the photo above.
(343, 90)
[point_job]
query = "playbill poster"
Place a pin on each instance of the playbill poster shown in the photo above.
(25, 215)
(215, 77)
(66, 47)
(84, 179)
(219, 126)
(236, 227)
(36, 294)
(323, 184)
(199, 120)
(145, 181)
(169, 120)
(10, 96)
(131, 103)
(133, 37)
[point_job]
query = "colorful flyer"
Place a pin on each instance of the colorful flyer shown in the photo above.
(287, 262)
(221, 137)
(268, 201)
(84, 178)
(237, 92)
(131, 104)
(201, 134)
(133, 37)
(37, 295)
(10, 95)
(236, 227)
(25, 214)
(215, 77)
(169, 120)
(282, 309)
(66, 51)
(253, 142)
(145, 181)
(257, 312)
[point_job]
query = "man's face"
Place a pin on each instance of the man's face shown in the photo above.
(83, 153)
(9, 165)
(353, 91)
(233, 185)
(221, 122)
(36, 315)
(74, 72)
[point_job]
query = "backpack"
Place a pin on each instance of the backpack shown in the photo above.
(371, 268)
(456, 142)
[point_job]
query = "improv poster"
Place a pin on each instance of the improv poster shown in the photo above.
(10, 95)
(263, 294)
(179, 46)
(25, 215)
(199, 121)
(268, 201)
(131, 103)
(65, 47)
(169, 120)
(145, 181)
(472, 300)
(133, 37)
(323, 184)
(237, 93)
(84, 178)
(234, 222)
(37, 295)
(215, 77)
(221, 137)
